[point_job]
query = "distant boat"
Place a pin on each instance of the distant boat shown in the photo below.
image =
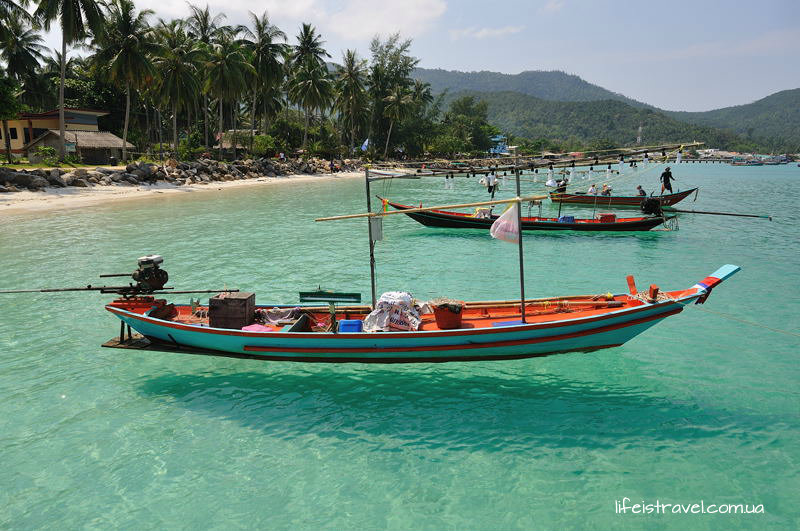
(602, 201)
(461, 220)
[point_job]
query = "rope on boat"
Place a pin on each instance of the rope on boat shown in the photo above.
(752, 323)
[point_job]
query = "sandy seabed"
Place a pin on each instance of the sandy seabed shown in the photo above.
(71, 197)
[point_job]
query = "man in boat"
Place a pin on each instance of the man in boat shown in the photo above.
(562, 186)
(592, 189)
(666, 177)
(640, 191)
(606, 190)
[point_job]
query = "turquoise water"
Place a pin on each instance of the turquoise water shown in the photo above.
(698, 408)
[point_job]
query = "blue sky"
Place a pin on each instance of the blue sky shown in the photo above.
(678, 55)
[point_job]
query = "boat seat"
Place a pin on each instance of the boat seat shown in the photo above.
(301, 325)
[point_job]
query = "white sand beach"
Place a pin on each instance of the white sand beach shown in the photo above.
(72, 197)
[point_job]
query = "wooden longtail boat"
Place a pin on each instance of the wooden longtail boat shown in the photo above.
(602, 201)
(489, 330)
(461, 220)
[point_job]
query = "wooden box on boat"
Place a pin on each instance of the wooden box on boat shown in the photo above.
(231, 310)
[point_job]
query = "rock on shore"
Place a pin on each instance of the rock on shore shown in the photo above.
(174, 172)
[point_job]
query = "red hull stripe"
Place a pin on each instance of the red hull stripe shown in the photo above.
(508, 343)
(454, 333)
(709, 282)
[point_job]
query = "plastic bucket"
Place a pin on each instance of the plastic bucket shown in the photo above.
(446, 318)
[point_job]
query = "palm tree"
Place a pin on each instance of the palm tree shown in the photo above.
(309, 48)
(10, 9)
(77, 19)
(397, 104)
(227, 71)
(265, 54)
(125, 47)
(312, 89)
(20, 47)
(204, 27)
(351, 98)
(178, 68)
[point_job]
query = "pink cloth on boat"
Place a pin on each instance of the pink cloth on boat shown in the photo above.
(257, 328)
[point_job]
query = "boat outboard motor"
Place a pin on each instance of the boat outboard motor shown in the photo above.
(652, 206)
(149, 276)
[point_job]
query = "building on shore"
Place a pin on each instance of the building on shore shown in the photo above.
(83, 137)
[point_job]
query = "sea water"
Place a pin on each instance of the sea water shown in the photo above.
(700, 408)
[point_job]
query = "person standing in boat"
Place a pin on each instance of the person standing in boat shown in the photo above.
(592, 190)
(562, 186)
(666, 177)
(640, 191)
(606, 190)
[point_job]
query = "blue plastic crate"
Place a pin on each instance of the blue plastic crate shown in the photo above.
(566, 219)
(351, 325)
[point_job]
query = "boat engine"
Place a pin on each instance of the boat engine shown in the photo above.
(651, 206)
(150, 277)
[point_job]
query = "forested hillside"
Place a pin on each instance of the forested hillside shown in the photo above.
(547, 85)
(582, 122)
(774, 120)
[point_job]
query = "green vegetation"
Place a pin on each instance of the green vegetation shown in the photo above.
(577, 124)
(773, 121)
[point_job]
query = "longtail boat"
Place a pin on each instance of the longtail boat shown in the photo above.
(602, 201)
(488, 330)
(461, 220)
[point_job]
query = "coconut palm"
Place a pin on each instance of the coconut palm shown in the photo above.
(124, 48)
(227, 72)
(351, 99)
(312, 89)
(397, 106)
(309, 48)
(204, 27)
(178, 66)
(77, 18)
(20, 47)
(265, 53)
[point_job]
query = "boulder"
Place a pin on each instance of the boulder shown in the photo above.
(80, 183)
(55, 179)
(130, 167)
(80, 172)
(68, 178)
(139, 174)
(116, 177)
(131, 178)
(26, 180)
(105, 171)
(4, 190)
(106, 181)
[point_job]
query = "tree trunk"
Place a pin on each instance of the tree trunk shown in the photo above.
(205, 120)
(160, 137)
(253, 121)
(7, 140)
(62, 148)
(175, 128)
(221, 130)
(147, 128)
(305, 134)
(386, 149)
(233, 125)
(125, 127)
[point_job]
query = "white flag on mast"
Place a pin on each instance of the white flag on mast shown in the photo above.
(506, 227)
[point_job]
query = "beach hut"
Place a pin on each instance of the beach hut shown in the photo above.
(92, 147)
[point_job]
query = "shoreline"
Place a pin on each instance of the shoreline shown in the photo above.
(53, 198)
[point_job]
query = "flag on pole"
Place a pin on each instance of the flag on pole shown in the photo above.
(506, 227)
(365, 145)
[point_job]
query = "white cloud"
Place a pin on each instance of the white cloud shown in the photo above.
(361, 19)
(483, 33)
(552, 6)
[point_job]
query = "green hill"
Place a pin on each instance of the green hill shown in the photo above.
(773, 121)
(584, 121)
(547, 85)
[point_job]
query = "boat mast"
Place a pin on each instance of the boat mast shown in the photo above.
(371, 240)
(519, 224)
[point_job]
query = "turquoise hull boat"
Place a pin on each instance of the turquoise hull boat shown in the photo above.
(489, 331)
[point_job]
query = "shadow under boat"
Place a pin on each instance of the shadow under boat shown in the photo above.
(445, 408)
